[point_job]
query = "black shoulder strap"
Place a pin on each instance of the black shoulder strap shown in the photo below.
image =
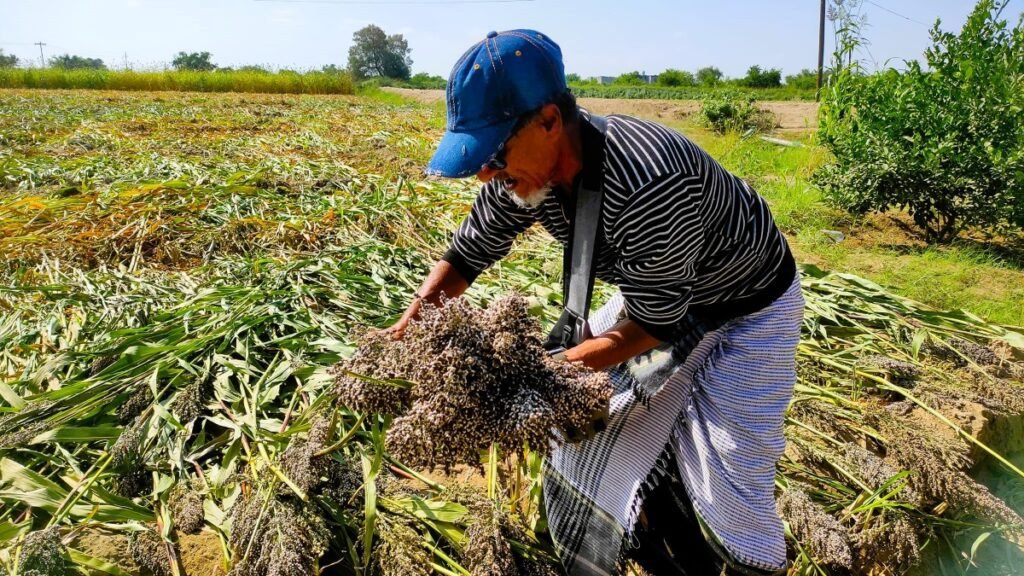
(578, 263)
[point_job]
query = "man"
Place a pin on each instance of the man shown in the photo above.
(682, 479)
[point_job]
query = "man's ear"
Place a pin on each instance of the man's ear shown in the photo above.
(551, 119)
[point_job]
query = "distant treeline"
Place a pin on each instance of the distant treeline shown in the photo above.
(655, 92)
(257, 81)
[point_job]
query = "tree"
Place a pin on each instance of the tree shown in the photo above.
(423, 80)
(69, 62)
(757, 78)
(374, 53)
(806, 79)
(333, 69)
(7, 60)
(673, 77)
(943, 140)
(199, 61)
(709, 76)
(630, 79)
(573, 78)
(253, 69)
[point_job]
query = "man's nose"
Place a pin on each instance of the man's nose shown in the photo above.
(486, 173)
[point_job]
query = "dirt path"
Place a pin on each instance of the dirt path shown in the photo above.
(791, 115)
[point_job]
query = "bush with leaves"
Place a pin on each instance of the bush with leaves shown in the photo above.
(728, 112)
(944, 142)
(758, 78)
(709, 76)
(75, 62)
(806, 79)
(672, 77)
(8, 60)
(196, 61)
(633, 78)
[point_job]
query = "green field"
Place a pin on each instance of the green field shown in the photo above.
(178, 272)
(283, 82)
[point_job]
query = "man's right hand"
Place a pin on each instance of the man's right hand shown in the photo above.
(397, 330)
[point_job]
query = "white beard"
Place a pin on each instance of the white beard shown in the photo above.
(533, 199)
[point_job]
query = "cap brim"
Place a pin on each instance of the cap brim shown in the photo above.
(462, 154)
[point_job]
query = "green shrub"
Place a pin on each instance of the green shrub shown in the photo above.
(945, 142)
(757, 78)
(630, 79)
(806, 79)
(709, 76)
(422, 80)
(673, 78)
(726, 112)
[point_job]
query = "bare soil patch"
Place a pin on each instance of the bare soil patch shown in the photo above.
(790, 115)
(201, 553)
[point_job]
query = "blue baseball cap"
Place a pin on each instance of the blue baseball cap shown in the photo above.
(497, 80)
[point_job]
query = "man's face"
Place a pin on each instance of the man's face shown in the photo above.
(530, 157)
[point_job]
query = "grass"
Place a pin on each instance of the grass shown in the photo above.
(179, 272)
(283, 82)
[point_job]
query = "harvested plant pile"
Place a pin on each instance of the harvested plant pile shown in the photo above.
(479, 377)
(179, 274)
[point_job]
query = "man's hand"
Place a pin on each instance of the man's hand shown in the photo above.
(396, 331)
(443, 280)
(619, 343)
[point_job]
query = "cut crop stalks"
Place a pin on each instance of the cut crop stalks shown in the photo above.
(179, 275)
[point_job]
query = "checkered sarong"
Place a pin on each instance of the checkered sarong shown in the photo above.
(717, 398)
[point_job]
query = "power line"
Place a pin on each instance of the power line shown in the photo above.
(877, 5)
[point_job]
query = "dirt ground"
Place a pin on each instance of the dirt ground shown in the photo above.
(201, 553)
(791, 116)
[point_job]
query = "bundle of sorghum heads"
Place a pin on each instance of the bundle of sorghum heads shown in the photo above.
(481, 377)
(127, 461)
(400, 550)
(149, 552)
(188, 404)
(817, 529)
(300, 461)
(956, 349)
(43, 554)
(186, 504)
(903, 374)
(490, 528)
(939, 466)
(891, 541)
(274, 536)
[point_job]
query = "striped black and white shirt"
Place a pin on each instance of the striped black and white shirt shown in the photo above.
(679, 234)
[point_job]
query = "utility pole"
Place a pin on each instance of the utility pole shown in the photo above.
(42, 60)
(821, 50)
(125, 60)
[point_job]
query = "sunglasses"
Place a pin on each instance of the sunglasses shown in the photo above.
(497, 160)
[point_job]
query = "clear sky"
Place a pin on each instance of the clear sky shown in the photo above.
(598, 37)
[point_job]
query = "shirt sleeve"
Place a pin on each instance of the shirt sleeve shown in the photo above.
(487, 233)
(660, 236)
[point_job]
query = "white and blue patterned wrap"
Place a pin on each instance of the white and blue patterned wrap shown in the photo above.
(717, 398)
